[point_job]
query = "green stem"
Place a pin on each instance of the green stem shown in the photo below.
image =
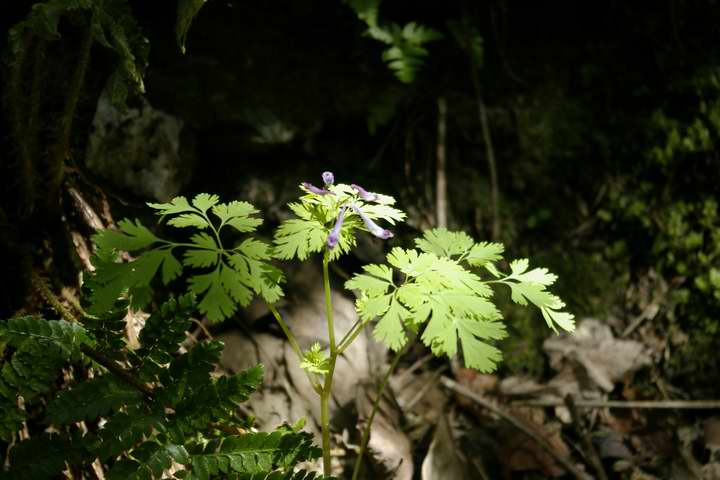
(327, 387)
(351, 335)
(328, 301)
(376, 406)
(293, 343)
(216, 231)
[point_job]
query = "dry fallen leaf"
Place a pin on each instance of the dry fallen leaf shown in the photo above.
(443, 461)
(605, 358)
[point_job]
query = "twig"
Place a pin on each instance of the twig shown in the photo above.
(117, 370)
(639, 404)
(376, 406)
(424, 389)
(201, 326)
(588, 447)
(565, 462)
(440, 174)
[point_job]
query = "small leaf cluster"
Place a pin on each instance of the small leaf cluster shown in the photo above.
(223, 277)
(183, 423)
(406, 52)
(316, 214)
(442, 296)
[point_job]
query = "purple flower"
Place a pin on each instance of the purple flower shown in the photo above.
(313, 189)
(373, 227)
(364, 194)
(334, 236)
(328, 178)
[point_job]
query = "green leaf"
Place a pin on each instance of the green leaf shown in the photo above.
(299, 238)
(44, 456)
(68, 337)
(176, 205)
(375, 282)
(216, 303)
(186, 12)
(385, 212)
(389, 328)
(90, 399)
(443, 243)
(254, 454)
(204, 201)
(483, 253)
(370, 308)
(164, 331)
(530, 286)
(237, 215)
(171, 267)
(201, 258)
(235, 284)
(189, 220)
(130, 237)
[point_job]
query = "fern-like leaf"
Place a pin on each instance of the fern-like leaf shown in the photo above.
(235, 274)
(452, 302)
(164, 330)
(91, 399)
(66, 336)
(258, 454)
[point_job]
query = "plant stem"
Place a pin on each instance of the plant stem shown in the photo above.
(293, 344)
(351, 335)
(376, 406)
(328, 301)
(286, 330)
(327, 387)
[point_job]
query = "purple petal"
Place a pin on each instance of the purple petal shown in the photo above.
(364, 194)
(313, 189)
(373, 227)
(334, 235)
(328, 178)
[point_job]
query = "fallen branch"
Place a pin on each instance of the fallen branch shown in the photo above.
(640, 404)
(565, 462)
(586, 440)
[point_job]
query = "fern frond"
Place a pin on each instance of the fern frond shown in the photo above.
(254, 454)
(91, 399)
(46, 456)
(31, 371)
(149, 460)
(125, 430)
(66, 336)
(164, 330)
(214, 401)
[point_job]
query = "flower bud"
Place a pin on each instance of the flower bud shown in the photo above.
(313, 189)
(373, 227)
(328, 178)
(334, 235)
(364, 194)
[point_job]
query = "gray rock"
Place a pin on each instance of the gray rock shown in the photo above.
(139, 150)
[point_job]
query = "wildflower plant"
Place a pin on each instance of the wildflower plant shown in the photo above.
(440, 291)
